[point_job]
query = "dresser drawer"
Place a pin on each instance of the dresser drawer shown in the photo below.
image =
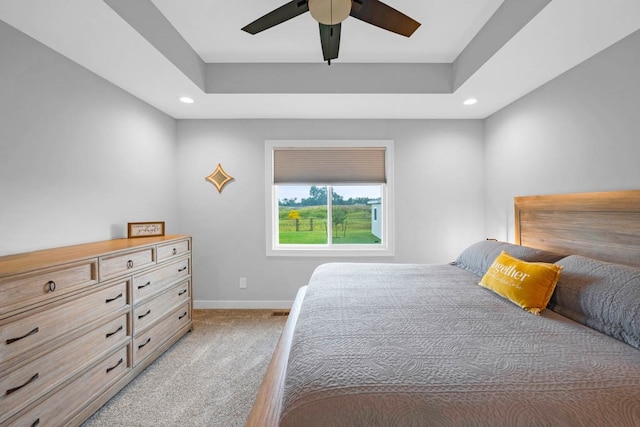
(42, 285)
(147, 313)
(128, 262)
(173, 249)
(77, 394)
(27, 383)
(151, 282)
(26, 333)
(147, 342)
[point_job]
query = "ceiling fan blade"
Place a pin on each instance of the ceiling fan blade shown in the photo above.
(277, 16)
(330, 39)
(379, 14)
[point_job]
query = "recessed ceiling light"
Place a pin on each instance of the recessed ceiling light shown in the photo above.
(186, 100)
(470, 101)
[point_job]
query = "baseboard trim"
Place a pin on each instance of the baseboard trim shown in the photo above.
(240, 304)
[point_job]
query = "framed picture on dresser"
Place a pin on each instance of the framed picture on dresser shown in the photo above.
(145, 229)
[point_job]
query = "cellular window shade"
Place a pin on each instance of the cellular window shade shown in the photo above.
(329, 165)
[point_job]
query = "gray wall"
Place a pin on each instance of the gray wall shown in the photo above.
(79, 158)
(438, 199)
(578, 133)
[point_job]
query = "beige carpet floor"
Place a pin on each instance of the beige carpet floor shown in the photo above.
(208, 378)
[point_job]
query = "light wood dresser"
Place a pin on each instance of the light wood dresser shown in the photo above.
(80, 322)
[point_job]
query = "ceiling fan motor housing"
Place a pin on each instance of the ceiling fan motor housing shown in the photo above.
(329, 12)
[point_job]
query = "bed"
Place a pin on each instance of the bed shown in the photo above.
(419, 345)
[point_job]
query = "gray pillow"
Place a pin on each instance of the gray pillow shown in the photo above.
(601, 295)
(478, 257)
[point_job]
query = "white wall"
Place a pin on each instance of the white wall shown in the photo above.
(578, 133)
(438, 199)
(79, 158)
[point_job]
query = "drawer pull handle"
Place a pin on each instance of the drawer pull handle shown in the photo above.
(130, 264)
(110, 334)
(107, 301)
(35, 423)
(180, 317)
(116, 365)
(32, 379)
(144, 286)
(51, 285)
(184, 291)
(182, 269)
(146, 342)
(144, 315)
(175, 251)
(28, 334)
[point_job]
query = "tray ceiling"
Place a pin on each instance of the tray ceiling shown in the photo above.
(159, 50)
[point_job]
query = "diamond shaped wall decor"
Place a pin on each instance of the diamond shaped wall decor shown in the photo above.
(219, 178)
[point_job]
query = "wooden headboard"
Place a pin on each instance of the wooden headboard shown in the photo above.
(603, 225)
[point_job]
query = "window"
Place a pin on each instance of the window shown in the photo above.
(307, 215)
(329, 198)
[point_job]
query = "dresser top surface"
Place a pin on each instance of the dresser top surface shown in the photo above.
(20, 263)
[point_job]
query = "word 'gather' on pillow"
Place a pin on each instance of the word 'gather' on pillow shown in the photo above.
(527, 284)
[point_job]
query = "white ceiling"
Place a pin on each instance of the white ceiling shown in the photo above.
(563, 34)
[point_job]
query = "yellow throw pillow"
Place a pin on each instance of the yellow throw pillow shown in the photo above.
(527, 284)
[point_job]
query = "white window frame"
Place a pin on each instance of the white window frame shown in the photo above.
(386, 248)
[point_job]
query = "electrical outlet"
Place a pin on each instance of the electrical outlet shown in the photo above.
(243, 283)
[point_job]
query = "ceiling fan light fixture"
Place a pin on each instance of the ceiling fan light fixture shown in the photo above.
(329, 12)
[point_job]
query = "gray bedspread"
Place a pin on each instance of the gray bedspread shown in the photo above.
(423, 345)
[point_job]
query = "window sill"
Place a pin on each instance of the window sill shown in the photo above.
(329, 252)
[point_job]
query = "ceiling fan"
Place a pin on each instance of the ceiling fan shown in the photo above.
(331, 13)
